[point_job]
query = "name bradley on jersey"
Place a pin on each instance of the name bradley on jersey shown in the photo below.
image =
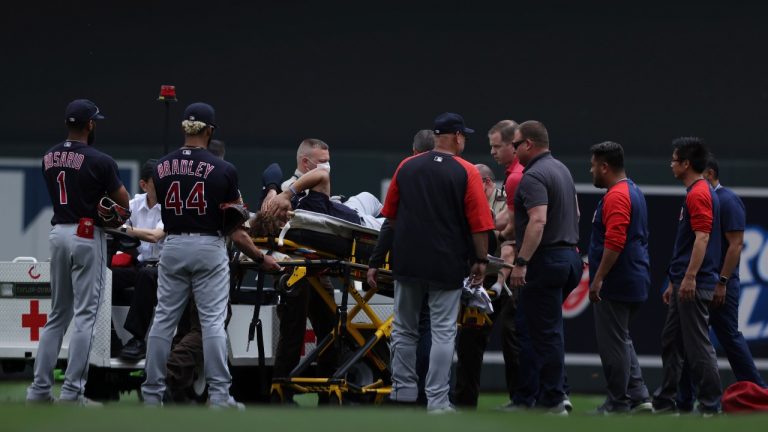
(184, 167)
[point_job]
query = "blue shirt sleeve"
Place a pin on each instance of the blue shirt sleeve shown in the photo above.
(732, 212)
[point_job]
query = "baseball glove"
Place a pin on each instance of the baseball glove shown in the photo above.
(111, 213)
(233, 216)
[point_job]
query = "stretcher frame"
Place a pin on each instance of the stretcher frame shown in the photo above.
(308, 263)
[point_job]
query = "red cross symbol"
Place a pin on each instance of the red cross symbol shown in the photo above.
(34, 320)
(309, 337)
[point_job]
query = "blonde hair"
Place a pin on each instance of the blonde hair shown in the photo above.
(193, 127)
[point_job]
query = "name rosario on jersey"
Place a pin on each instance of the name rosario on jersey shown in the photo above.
(184, 167)
(63, 160)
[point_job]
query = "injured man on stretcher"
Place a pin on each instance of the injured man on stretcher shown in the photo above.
(312, 192)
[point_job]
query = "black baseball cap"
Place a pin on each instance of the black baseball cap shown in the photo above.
(202, 112)
(82, 110)
(450, 123)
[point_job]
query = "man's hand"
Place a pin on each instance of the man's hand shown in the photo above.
(371, 277)
(268, 198)
(477, 273)
(667, 296)
(279, 206)
(719, 298)
(517, 277)
(687, 288)
(270, 265)
(594, 290)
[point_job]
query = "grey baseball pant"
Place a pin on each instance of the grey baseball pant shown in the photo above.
(443, 312)
(78, 273)
(196, 264)
(686, 335)
(624, 379)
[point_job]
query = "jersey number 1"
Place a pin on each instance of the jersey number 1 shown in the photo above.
(195, 198)
(60, 179)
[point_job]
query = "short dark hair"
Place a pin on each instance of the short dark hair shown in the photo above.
(693, 150)
(423, 141)
(714, 166)
(505, 129)
(609, 152)
(534, 131)
(217, 147)
(148, 169)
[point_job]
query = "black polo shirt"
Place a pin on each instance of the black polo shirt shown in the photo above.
(546, 181)
(436, 201)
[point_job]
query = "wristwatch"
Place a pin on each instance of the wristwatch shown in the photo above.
(724, 280)
(520, 261)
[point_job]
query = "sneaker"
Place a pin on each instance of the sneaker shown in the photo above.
(665, 407)
(557, 410)
(134, 350)
(641, 407)
(513, 407)
(606, 409)
(44, 401)
(567, 404)
(230, 403)
(707, 412)
(81, 401)
(450, 409)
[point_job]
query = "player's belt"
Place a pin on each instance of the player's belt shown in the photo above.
(199, 234)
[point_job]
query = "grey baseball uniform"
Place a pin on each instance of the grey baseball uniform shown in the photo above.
(77, 176)
(191, 183)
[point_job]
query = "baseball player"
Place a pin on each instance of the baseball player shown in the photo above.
(191, 185)
(77, 177)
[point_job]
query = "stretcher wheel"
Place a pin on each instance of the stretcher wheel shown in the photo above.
(335, 400)
(282, 286)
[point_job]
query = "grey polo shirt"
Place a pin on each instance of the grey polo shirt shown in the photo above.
(546, 181)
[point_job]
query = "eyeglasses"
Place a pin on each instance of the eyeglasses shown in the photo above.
(517, 144)
(487, 179)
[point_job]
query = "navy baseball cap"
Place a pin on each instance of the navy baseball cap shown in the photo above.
(82, 110)
(450, 123)
(202, 112)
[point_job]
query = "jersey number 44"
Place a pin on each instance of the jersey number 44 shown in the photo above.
(195, 198)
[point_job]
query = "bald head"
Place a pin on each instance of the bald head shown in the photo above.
(485, 171)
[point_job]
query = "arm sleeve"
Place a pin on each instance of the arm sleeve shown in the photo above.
(617, 210)
(393, 196)
(476, 206)
(233, 191)
(510, 186)
(732, 214)
(112, 178)
(699, 203)
(383, 245)
(532, 192)
(272, 177)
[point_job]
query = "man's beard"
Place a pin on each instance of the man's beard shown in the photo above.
(91, 136)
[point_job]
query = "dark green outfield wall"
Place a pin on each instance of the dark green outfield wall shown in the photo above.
(367, 75)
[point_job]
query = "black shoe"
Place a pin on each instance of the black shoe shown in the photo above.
(663, 406)
(134, 350)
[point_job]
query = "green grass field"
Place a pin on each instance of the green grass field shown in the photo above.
(129, 415)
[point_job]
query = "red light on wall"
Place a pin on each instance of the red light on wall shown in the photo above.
(167, 93)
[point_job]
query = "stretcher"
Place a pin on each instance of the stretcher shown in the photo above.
(311, 246)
